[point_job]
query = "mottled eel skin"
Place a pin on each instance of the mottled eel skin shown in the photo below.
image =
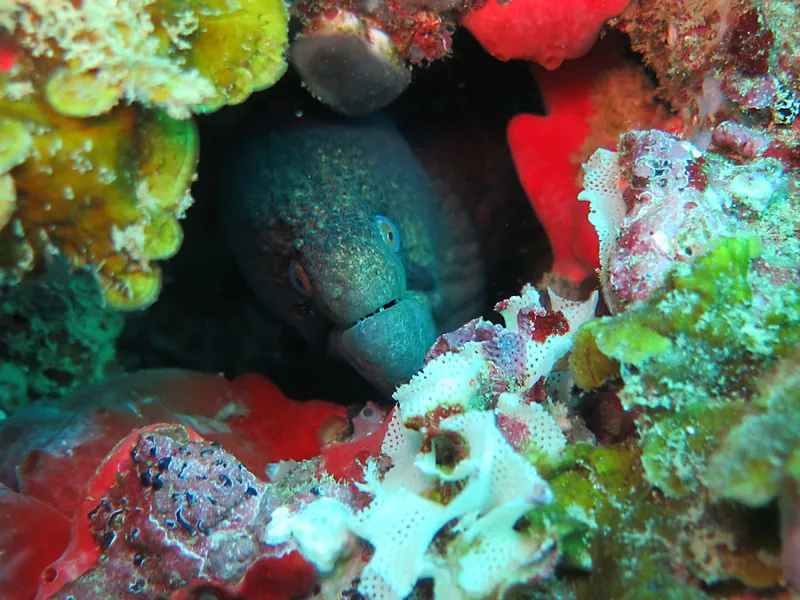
(338, 229)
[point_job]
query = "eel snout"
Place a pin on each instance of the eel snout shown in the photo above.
(382, 328)
(388, 345)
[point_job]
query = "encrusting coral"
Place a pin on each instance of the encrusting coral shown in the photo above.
(716, 58)
(82, 193)
(92, 54)
(698, 255)
(98, 149)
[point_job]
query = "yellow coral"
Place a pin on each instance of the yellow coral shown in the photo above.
(15, 144)
(8, 199)
(97, 153)
(181, 56)
(590, 367)
(105, 192)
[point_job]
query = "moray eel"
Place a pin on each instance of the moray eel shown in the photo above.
(337, 228)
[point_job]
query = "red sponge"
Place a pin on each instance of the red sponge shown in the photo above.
(545, 148)
(543, 31)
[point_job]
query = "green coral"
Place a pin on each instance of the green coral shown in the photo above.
(55, 334)
(621, 538)
(676, 446)
(709, 366)
(708, 333)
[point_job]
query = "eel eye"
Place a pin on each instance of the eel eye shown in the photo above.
(299, 279)
(389, 232)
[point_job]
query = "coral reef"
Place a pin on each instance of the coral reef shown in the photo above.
(479, 483)
(658, 205)
(98, 152)
(425, 467)
(651, 452)
(699, 259)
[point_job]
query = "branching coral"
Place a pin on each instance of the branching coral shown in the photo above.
(98, 152)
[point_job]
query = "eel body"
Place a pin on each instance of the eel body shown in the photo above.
(338, 229)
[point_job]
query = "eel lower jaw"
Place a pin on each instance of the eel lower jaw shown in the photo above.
(388, 345)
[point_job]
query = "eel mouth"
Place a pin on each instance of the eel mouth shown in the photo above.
(421, 281)
(387, 306)
(388, 345)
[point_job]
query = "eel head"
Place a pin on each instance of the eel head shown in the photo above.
(358, 278)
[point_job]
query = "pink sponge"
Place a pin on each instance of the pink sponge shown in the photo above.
(542, 31)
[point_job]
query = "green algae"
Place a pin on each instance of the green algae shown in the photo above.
(613, 528)
(714, 327)
(676, 446)
(620, 537)
(762, 452)
(712, 375)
